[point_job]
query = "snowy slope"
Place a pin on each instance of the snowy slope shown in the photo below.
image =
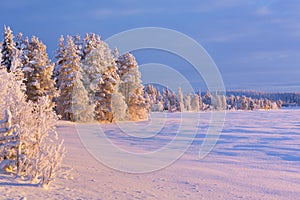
(256, 157)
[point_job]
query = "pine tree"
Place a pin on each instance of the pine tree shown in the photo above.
(68, 71)
(82, 109)
(195, 103)
(60, 56)
(90, 42)
(187, 102)
(38, 72)
(131, 87)
(78, 44)
(104, 94)
(8, 48)
(94, 65)
(180, 106)
(118, 106)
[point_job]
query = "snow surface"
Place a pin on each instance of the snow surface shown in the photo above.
(256, 157)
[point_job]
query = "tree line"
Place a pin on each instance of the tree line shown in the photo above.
(167, 100)
(87, 82)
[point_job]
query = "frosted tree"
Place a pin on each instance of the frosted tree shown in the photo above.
(60, 56)
(8, 142)
(78, 44)
(37, 152)
(242, 103)
(82, 109)
(38, 72)
(118, 106)
(151, 91)
(200, 101)
(180, 104)
(11, 55)
(207, 98)
(131, 87)
(187, 102)
(17, 66)
(101, 80)
(104, 94)
(252, 105)
(231, 102)
(94, 65)
(90, 42)
(68, 71)
(116, 55)
(138, 108)
(155, 98)
(8, 48)
(195, 103)
(169, 100)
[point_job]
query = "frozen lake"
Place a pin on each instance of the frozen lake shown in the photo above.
(257, 156)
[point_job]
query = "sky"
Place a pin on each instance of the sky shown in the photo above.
(254, 43)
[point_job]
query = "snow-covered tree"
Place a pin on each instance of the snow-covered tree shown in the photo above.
(187, 103)
(38, 72)
(180, 106)
(195, 103)
(207, 98)
(82, 108)
(8, 142)
(8, 48)
(90, 42)
(36, 154)
(104, 94)
(67, 77)
(131, 87)
(242, 103)
(60, 56)
(155, 98)
(78, 44)
(94, 65)
(118, 106)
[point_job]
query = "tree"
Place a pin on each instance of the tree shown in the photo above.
(90, 42)
(38, 72)
(131, 87)
(243, 103)
(187, 102)
(207, 99)
(60, 56)
(36, 153)
(180, 106)
(82, 109)
(95, 63)
(8, 48)
(118, 105)
(78, 44)
(195, 103)
(104, 94)
(67, 77)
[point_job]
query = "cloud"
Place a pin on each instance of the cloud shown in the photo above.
(273, 55)
(113, 12)
(263, 11)
(230, 36)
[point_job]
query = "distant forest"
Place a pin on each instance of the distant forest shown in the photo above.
(164, 99)
(288, 99)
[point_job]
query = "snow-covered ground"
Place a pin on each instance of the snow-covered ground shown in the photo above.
(256, 157)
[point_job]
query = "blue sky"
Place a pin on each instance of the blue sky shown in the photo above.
(255, 43)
